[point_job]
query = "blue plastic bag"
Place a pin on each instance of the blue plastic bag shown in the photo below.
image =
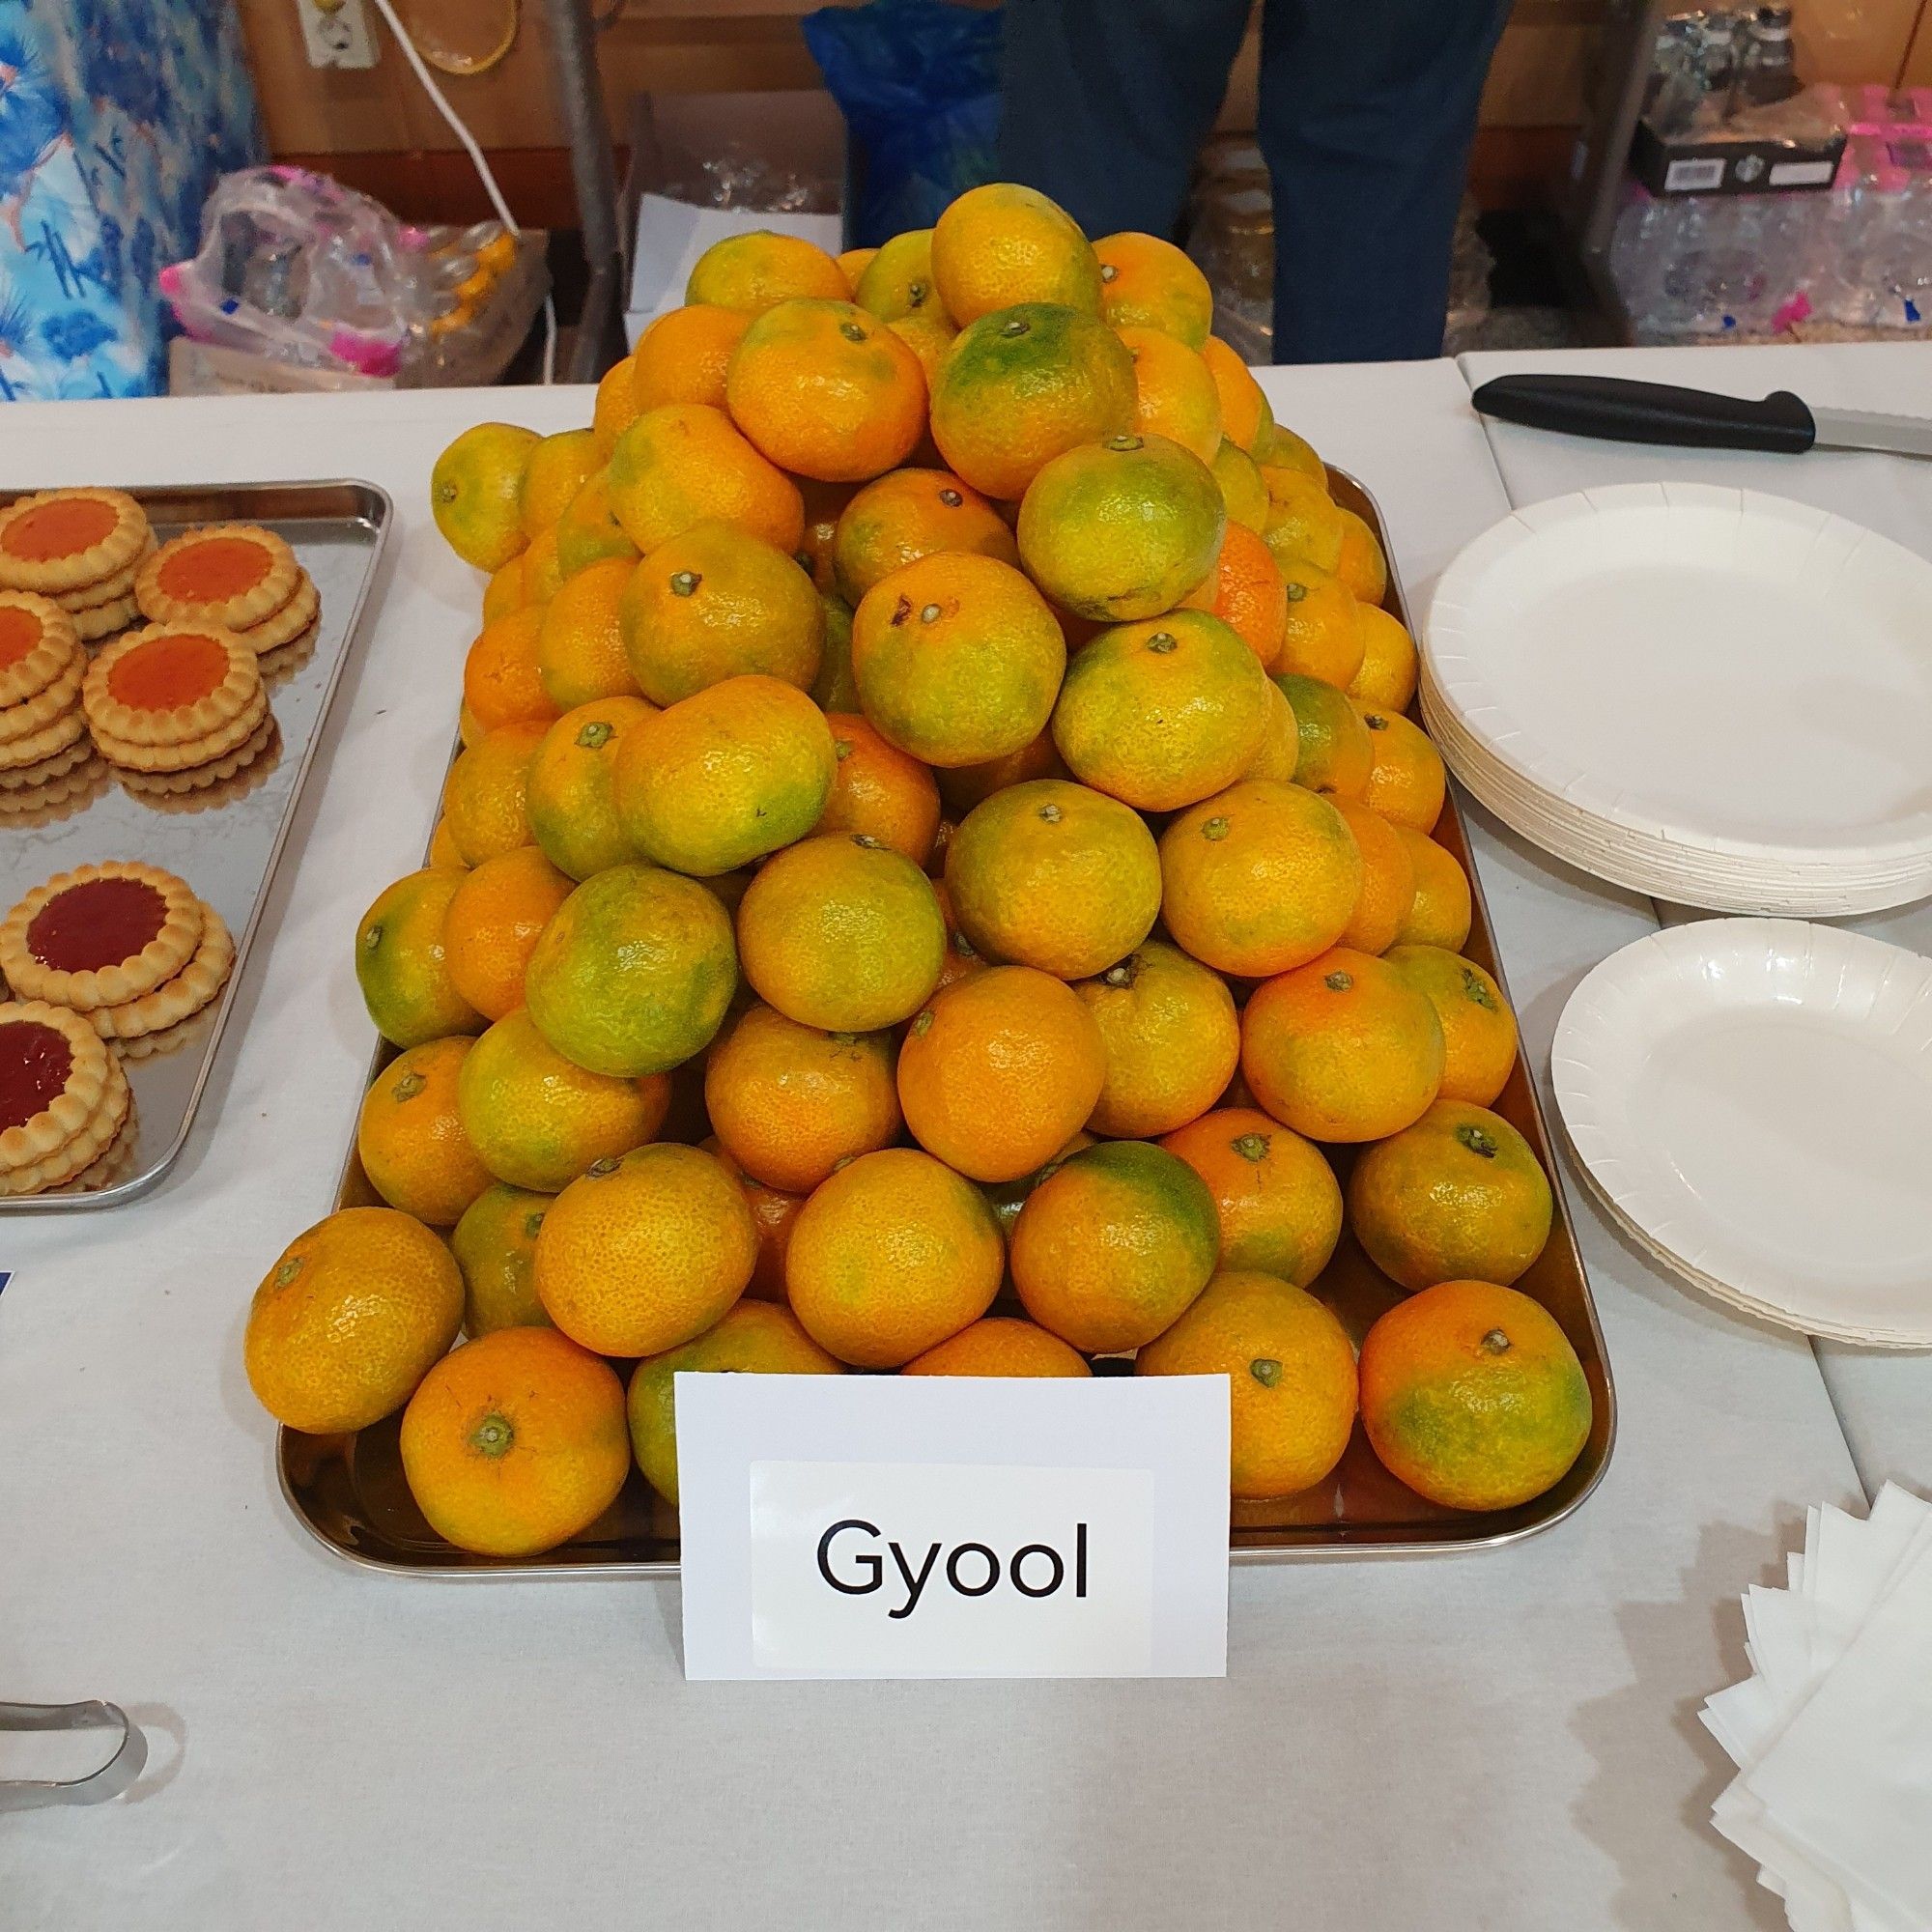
(919, 84)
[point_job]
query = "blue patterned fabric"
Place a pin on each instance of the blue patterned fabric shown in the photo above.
(116, 116)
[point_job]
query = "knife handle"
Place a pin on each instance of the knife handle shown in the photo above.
(1620, 410)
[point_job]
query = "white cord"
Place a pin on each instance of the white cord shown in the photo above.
(475, 153)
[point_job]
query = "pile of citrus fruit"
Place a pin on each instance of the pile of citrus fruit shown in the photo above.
(939, 853)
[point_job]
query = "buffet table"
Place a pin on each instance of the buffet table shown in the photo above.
(1502, 1739)
(1884, 1399)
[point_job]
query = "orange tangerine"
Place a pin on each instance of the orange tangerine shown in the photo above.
(1388, 880)
(502, 684)
(553, 472)
(852, 265)
(516, 1442)
(350, 1319)
(537, 1119)
(587, 533)
(1280, 751)
(410, 1135)
(963, 786)
(1387, 677)
(475, 493)
(1342, 1048)
(827, 390)
(685, 462)
(1441, 912)
(443, 853)
(1336, 754)
(1175, 394)
(834, 687)
(1242, 490)
(1282, 450)
(1001, 244)
(909, 514)
(1303, 526)
(1114, 1244)
(897, 281)
(580, 654)
(824, 504)
(682, 356)
(634, 973)
(1406, 781)
(1457, 1196)
(494, 919)
(773, 1214)
(1122, 528)
(1171, 1037)
(484, 796)
(839, 932)
(716, 602)
(496, 1245)
(1163, 712)
(616, 407)
(543, 567)
(790, 1103)
(1478, 1029)
(1291, 1385)
(722, 777)
(753, 272)
(957, 659)
(1276, 1196)
(1322, 630)
(1259, 878)
(878, 791)
(1243, 407)
(1020, 387)
(642, 1253)
(752, 1338)
(1472, 1395)
(1056, 876)
(890, 1255)
(1246, 590)
(929, 337)
(401, 965)
(572, 793)
(504, 592)
(1000, 1344)
(1362, 566)
(999, 1071)
(1147, 283)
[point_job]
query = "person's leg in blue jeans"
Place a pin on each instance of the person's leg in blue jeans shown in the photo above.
(1367, 111)
(1106, 102)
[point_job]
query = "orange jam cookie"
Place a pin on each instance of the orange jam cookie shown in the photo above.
(33, 714)
(26, 755)
(63, 1096)
(284, 626)
(62, 539)
(194, 787)
(37, 646)
(116, 589)
(232, 575)
(99, 935)
(170, 685)
(105, 621)
(174, 999)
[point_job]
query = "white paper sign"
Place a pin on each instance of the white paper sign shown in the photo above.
(954, 1526)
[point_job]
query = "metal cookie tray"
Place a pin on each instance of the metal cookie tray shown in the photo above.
(350, 1493)
(228, 841)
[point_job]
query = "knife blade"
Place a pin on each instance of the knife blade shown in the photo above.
(1617, 408)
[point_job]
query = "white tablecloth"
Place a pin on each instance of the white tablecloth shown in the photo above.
(1501, 1740)
(1884, 1399)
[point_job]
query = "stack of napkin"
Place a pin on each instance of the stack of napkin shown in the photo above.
(1833, 1733)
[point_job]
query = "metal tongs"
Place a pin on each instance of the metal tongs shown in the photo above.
(25, 1794)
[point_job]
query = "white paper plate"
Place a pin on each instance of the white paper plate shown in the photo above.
(1753, 1098)
(1712, 683)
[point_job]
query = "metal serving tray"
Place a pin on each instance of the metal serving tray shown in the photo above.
(228, 841)
(350, 1494)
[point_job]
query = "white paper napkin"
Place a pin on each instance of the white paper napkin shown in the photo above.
(1833, 1731)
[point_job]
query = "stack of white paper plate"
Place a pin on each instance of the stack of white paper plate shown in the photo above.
(1710, 695)
(1751, 1100)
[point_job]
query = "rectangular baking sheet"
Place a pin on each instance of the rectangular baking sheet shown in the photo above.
(348, 1491)
(228, 841)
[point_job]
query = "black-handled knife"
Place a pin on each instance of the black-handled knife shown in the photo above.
(1617, 410)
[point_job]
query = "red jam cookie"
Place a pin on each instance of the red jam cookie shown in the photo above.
(63, 1096)
(100, 936)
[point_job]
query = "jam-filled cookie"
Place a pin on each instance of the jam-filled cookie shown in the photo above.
(170, 697)
(99, 935)
(232, 576)
(38, 647)
(62, 540)
(177, 999)
(231, 775)
(63, 1096)
(295, 621)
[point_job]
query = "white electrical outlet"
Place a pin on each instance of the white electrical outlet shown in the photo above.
(336, 33)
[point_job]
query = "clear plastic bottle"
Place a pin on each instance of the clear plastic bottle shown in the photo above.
(1888, 258)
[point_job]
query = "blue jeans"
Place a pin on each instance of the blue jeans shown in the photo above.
(1368, 109)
